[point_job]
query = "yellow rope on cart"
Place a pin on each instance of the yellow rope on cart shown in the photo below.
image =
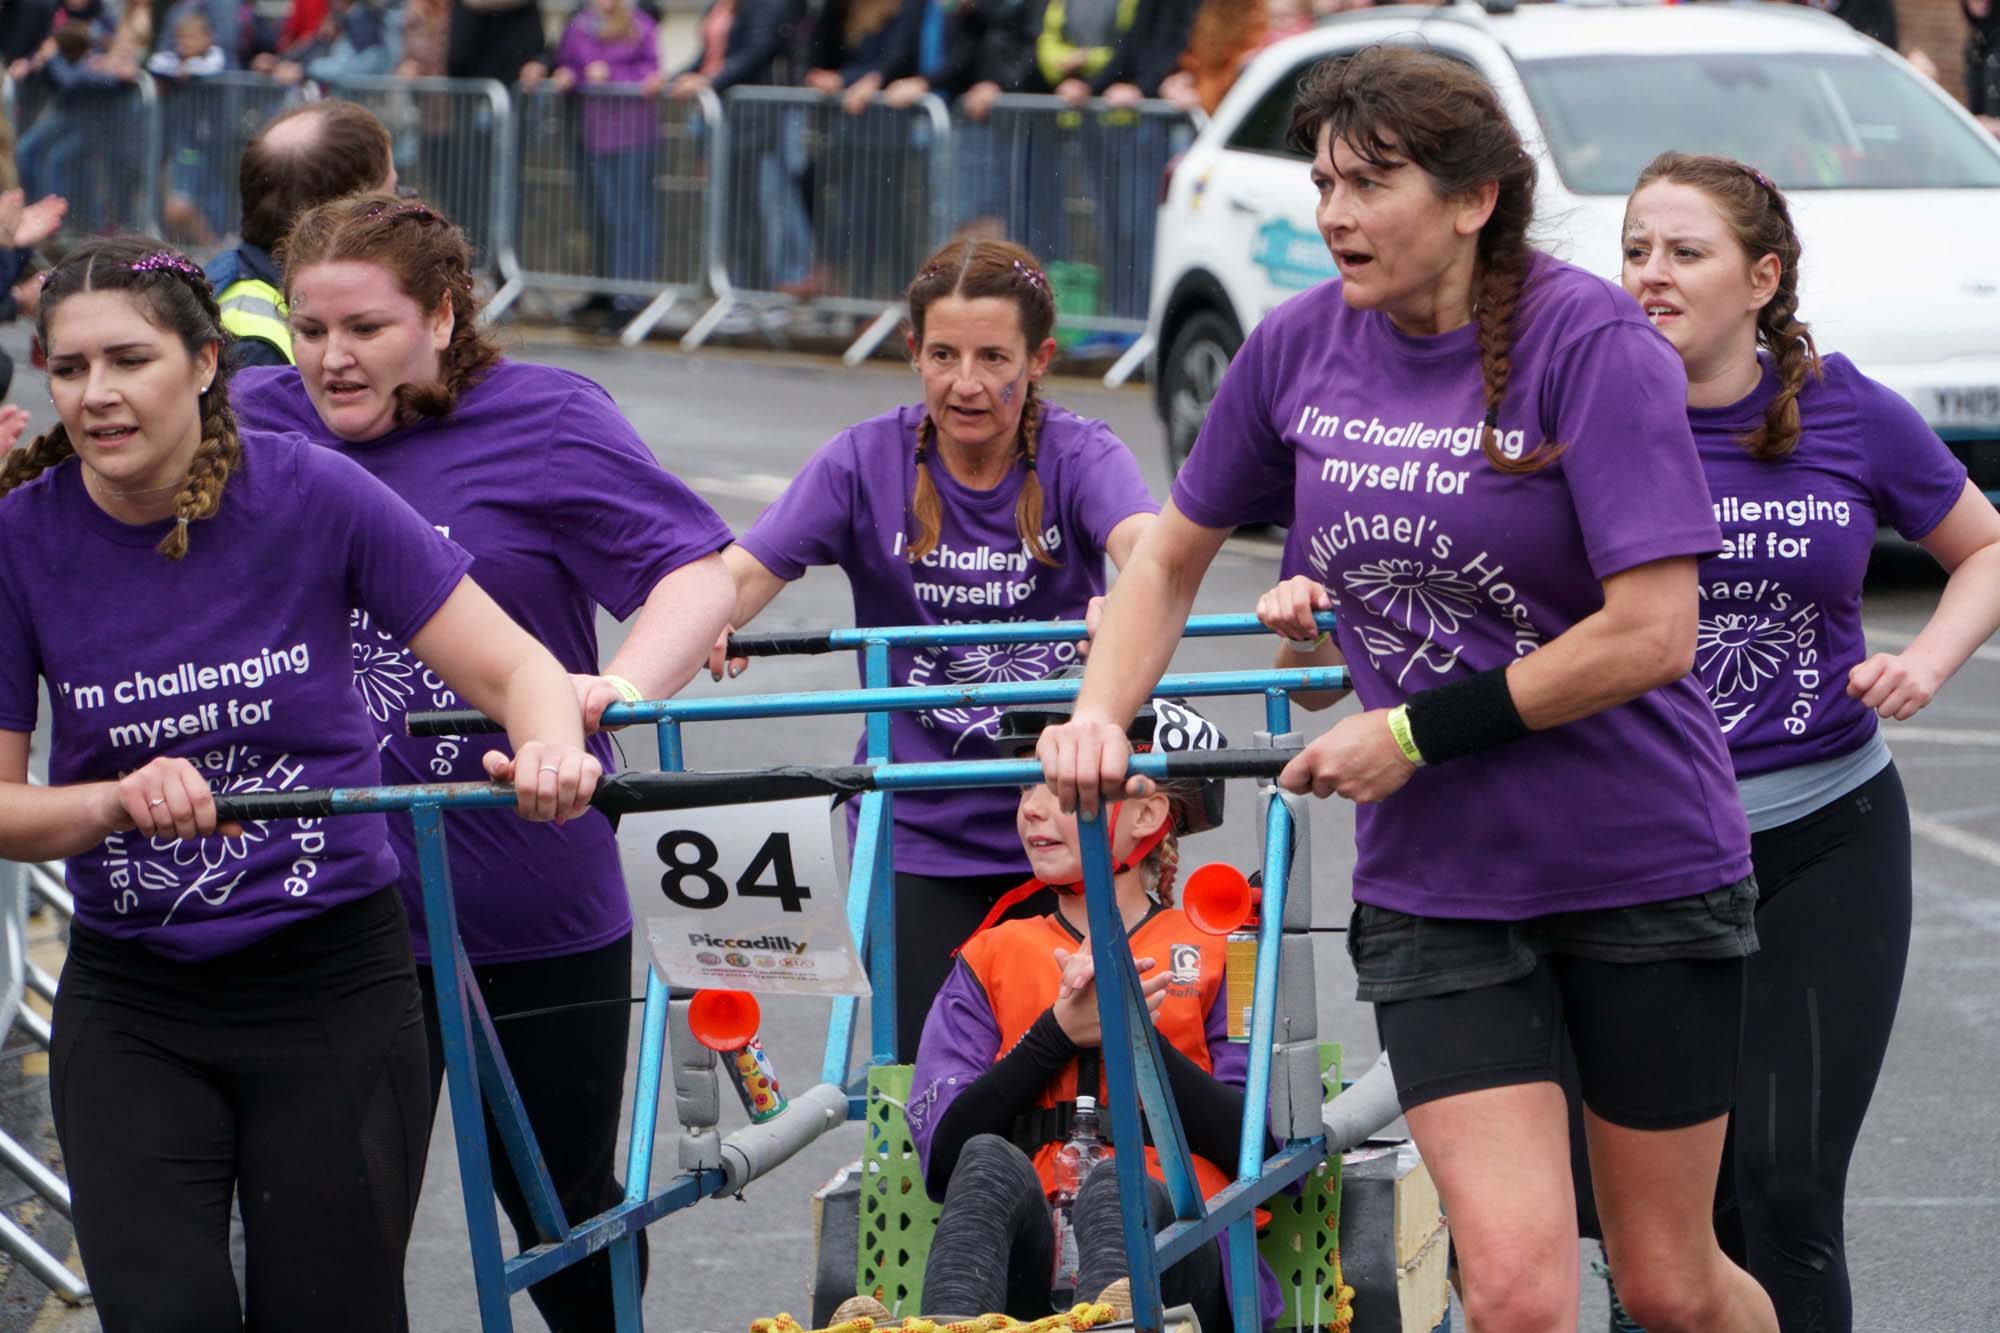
(1074, 1320)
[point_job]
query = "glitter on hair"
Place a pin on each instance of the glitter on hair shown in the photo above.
(169, 261)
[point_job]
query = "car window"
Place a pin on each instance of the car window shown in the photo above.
(1810, 122)
(1265, 128)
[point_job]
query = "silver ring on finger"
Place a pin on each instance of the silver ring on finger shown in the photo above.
(550, 768)
(157, 800)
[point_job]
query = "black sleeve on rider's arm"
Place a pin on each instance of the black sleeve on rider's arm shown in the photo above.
(1211, 1110)
(1007, 1089)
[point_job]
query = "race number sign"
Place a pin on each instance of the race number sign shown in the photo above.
(745, 896)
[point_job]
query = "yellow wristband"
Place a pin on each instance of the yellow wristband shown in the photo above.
(627, 691)
(1309, 645)
(1399, 727)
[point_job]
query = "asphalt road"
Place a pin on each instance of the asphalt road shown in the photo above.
(1924, 1208)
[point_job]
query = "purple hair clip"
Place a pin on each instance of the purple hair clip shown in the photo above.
(168, 261)
(1759, 177)
(410, 209)
(1033, 275)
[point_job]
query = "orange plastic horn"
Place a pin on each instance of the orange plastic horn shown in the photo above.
(1218, 898)
(724, 1020)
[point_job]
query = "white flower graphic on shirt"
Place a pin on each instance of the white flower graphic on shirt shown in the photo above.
(385, 677)
(1421, 597)
(986, 664)
(210, 860)
(1736, 653)
(1385, 646)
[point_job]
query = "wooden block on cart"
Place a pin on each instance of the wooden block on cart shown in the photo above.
(1393, 1240)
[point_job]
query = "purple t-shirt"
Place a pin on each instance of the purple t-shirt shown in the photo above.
(564, 510)
(1365, 439)
(850, 506)
(1781, 603)
(235, 658)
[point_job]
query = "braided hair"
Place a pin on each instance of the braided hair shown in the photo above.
(431, 262)
(1757, 215)
(972, 269)
(1393, 103)
(175, 297)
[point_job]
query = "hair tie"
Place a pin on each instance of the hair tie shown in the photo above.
(170, 261)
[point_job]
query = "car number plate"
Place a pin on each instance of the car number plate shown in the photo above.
(1972, 405)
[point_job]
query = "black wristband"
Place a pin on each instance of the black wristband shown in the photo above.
(1465, 717)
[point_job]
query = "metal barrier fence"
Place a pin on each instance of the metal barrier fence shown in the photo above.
(849, 205)
(613, 196)
(97, 146)
(1079, 186)
(453, 141)
(768, 199)
(205, 124)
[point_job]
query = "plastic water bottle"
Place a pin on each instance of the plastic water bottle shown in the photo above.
(1082, 1150)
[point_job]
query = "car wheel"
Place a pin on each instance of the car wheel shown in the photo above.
(1190, 375)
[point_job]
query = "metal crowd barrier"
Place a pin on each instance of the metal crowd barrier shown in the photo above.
(613, 196)
(98, 147)
(1079, 187)
(205, 124)
(1282, 1090)
(20, 885)
(454, 145)
(841, 209)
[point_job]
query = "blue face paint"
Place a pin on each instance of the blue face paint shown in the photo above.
(1007, 393)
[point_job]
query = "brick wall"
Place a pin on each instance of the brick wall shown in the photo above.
(1937, 28)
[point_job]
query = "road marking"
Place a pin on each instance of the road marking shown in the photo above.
(1896, 638)
(1956, 839)
(1897, 733)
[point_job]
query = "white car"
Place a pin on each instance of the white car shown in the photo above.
(1895, 189)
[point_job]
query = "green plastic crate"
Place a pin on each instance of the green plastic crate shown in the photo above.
(898, 1218)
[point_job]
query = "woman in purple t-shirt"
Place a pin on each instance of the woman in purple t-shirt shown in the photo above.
(1481, 452)
(982, 503)
(1806, 458)
(238, 1012)
(564, 509)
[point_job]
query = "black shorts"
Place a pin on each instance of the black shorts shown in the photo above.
(1650, 998)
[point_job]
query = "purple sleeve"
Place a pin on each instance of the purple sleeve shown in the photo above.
(400, 569)
(1241, 470)
(20, 665)
(1914, 478)
(1108, 488)
(639, 58)
(961, 1041)
(1618, 404)
(1228, 1061)
(811, 522)
(620, 522)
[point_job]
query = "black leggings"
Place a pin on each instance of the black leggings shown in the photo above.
(290, 1072)
(570, 1069)
(933, 918)
(1834, 919)
(994, 1250)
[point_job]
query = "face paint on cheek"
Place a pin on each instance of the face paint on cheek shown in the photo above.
(1007, 393)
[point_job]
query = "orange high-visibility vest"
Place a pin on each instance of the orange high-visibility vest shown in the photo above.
(1015, 964)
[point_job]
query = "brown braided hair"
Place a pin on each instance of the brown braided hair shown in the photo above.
(431, 262)
(972, 269)
(1393, 103)
(1163, 864)
(1761, 221)
(175, 297)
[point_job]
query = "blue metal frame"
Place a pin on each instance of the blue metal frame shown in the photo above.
(476, 1072)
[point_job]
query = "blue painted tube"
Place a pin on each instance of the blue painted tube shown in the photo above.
(1117, 989)
(646, 1094)
(882, 880)
(868, 850)
(1239, 1200)
(901, 699)
(928, 636)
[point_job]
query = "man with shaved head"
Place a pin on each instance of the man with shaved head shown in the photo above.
(306, 155)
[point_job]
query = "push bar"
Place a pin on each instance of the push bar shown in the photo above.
(815, 641)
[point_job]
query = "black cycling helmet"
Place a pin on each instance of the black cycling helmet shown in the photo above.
(1165, 726)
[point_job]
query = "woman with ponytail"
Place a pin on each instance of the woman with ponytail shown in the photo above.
(1482, 459)
(563, 508)
(983, 502)
(1806, 459)
(239, 1012)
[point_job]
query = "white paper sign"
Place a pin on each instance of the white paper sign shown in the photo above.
(751, 897)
